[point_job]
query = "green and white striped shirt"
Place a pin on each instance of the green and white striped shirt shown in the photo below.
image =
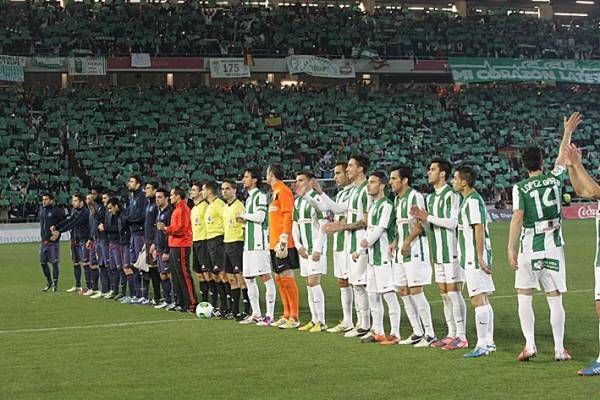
(358, 205)
(380, 215)
(405, 222)
(473, 212)
(308, 221)
(540, 199)
(339, 238)
(255, 232)
(443, 203)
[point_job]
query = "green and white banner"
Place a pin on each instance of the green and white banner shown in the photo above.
(87, 66)
(12, 73)
(321, 67)
(229, 68)
(48, 62)
(473, 70)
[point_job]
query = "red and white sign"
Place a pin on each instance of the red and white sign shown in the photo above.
(580, 211)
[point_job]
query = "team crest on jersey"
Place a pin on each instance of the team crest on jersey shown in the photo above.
(273, 208)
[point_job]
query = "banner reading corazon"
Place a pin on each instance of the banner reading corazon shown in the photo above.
(472, 70)
(321, 67)
(229, 68)
(87, 66)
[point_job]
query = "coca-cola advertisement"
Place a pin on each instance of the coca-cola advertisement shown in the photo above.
(580, 211)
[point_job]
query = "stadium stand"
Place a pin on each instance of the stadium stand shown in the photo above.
(69, 140)
(117, 27)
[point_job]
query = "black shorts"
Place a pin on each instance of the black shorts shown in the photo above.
(234, 254)
(292, 261)
(200, 256)
(216, 254)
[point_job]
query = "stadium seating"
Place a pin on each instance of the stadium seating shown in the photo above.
(70, 140)
(116, 27)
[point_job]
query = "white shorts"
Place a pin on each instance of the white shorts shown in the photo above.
(340, 265)
(309, 267)
(542, 269)
(256, 263)
(380, 278)
(411, 274)
(478, 282)
(449, 273)
(357, 270)
(597, 287)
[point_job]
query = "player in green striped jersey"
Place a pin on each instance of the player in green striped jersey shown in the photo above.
(257, 261)
(311, 242)
(536, 224)
(340, 258)
(585, 186)
(410, 257)
(356, 209)
(475, 257)
(380, 274)
(442, 219)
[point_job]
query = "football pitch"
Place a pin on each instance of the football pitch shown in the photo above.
(65, 346)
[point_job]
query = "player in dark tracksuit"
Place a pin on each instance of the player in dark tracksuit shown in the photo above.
(135, 216)
(119, 244)
(152, 275)
(79, 225)
(162, 248)
(49, 215)
(102, 253)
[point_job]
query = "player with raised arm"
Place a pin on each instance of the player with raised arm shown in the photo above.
(536, 229)
(475, 257)
(442, 217)
(585, 186)
(410, 256)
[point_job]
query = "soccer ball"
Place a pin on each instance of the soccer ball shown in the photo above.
(204, 310)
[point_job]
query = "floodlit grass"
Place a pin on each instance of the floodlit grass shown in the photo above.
(101, 349)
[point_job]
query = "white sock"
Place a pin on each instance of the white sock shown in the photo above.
(311, 305)
(270, 295)
(361, 298)
(376, 306)
(253, 295)
(459, 310)
(347, 298)
(394, 312)
(482, 320)
(413, 316)
(557, 320)
(491, 325)
(424, 313)
(319, 303)
(448, 315)
(598, 359)
(527, 319)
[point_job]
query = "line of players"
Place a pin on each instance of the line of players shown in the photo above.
(380, 248)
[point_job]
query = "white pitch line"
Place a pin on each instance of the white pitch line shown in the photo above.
(116, 325)
(166, 321)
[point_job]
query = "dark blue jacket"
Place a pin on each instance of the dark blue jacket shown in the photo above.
(151, 213)
(100, 217)
(49, 216)
(79, 222)
(117, 228)
(135, 212)
(163, 216)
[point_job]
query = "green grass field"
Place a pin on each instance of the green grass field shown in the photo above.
(64, 346)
